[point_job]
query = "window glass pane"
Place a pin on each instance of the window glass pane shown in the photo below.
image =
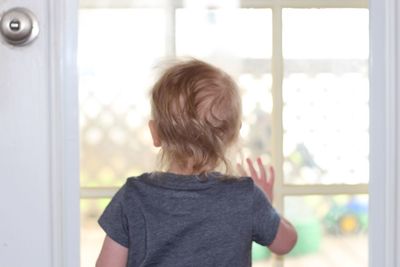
(114, 85)
(325, 95)
(116, 56)
(222, 37)
(92, 235)
(217, 33)
(325, 33)
(332, 230)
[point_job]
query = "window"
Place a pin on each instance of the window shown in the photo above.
(302, 67)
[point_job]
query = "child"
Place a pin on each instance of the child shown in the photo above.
(191, 215)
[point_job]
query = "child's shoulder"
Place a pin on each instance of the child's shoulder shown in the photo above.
(238, 182)
(133, 181)
(168, 179)
(142, 176)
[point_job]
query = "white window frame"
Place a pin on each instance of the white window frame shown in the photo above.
(384, 208)
(384, 213)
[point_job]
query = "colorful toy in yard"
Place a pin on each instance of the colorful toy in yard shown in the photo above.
(349, 218)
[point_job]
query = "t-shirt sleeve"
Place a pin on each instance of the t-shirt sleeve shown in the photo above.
(114, 221)
(265, 219)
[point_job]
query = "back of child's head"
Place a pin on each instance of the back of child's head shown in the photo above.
(196, 109)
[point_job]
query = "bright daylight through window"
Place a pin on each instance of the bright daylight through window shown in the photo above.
(303, 76)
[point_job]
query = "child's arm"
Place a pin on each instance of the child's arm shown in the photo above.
(112, 254)
(286, 236)
(285, 239)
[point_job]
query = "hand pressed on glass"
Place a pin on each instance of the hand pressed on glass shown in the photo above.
(286, 236)
(261, 178)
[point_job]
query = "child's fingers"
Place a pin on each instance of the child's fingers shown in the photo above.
(240, 169)
(263, 173)
(253, 172)
(271, 175)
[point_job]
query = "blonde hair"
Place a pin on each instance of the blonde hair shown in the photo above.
(196, 108)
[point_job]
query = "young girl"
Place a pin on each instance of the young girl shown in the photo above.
(191, 215)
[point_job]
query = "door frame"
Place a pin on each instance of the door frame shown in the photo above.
(384, 186)
(384, 214)
(64, 132)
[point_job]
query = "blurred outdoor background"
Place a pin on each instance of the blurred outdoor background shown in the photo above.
(302, 68)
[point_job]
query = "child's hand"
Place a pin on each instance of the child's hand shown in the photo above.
(262, 179)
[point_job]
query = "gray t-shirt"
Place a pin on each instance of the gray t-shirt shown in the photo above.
(171, 220)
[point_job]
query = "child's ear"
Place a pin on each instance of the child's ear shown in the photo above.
(154, 133)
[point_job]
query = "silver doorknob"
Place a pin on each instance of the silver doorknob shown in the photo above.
(19, 26)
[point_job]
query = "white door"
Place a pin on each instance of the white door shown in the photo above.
(38, 143)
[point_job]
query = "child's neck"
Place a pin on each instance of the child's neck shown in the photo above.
(174, 168)
(178, 170)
